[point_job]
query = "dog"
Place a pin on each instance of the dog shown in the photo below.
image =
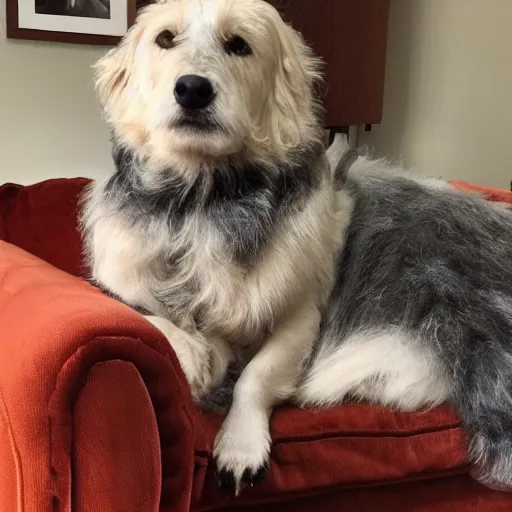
(297, 273)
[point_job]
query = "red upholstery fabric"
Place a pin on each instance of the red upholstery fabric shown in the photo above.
(491, 194)
(104, 448)
(450, 494)
(348, 445)
(95, 408)
(55, 329)
(42, 219)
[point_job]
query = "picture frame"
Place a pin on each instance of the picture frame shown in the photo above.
(97, 22)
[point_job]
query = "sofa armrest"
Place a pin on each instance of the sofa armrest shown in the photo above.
(91, 395)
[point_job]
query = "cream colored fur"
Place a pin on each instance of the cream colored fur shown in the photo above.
(382, 367)
(256, 105)
(211, 304)
(269, 312)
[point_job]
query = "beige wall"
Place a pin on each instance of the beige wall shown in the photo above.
(50, 123)
(448, 98)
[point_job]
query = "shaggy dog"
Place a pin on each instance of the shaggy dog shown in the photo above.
(316, 276)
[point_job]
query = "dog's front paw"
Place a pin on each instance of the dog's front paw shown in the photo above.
(191, 353)
(241, 451)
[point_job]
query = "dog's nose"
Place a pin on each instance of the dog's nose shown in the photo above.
(193, 91)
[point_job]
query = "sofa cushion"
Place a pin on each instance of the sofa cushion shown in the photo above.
(341, 447)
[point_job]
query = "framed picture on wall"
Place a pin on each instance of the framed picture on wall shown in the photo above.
(70, 21)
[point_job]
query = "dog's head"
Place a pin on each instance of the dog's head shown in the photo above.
(208, 79)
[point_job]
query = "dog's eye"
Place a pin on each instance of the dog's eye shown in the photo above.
(237, 46)
(165, 39)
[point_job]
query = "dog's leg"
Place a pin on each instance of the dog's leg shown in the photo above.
(242, 446)
(203, 361)
(387, 367)
(333, 375)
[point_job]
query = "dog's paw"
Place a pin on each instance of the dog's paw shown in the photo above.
(191, 354)
(241, 452)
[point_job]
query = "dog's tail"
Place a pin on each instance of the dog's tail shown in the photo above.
(341, 157)
(492, 460)
(486, 411)
(337, 149)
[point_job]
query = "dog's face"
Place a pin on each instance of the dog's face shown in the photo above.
(210, 78)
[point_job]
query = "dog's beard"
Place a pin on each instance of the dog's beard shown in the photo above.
(202, 133)
(196, 122)
(196, 140)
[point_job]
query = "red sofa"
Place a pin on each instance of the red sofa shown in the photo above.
(96, 416)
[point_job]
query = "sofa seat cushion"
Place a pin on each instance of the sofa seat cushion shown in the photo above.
(345, 446)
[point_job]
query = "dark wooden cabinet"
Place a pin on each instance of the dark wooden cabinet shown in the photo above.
(351, 37)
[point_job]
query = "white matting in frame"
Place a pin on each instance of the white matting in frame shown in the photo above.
(117, 25)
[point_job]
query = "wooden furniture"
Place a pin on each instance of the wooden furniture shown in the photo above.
(351, 36)
(63, 11)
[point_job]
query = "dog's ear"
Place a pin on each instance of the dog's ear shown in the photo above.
(112, 71)
(298, 74)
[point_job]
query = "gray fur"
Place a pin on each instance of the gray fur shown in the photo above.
(245, 205)
(438, 264)
(219, 399)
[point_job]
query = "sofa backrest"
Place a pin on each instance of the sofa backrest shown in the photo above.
(42, 219)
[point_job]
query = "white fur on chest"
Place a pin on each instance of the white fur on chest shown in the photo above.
(236, 302)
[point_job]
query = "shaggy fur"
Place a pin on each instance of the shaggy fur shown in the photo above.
(277, 271)
(421, 308)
